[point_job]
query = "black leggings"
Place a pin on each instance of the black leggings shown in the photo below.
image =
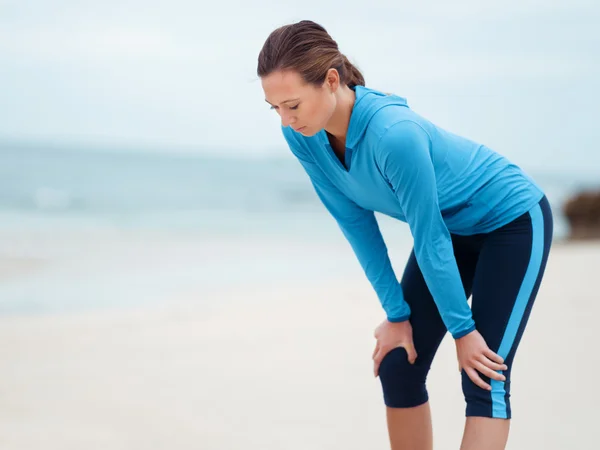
(502, 270)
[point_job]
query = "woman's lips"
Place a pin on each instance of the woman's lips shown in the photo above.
(299, 129)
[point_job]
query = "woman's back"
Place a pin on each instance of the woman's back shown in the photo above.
(478, 190)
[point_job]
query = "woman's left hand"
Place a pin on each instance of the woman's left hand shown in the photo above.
(475, 356)
(391, 335)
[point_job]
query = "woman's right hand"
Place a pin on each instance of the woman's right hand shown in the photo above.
(391, 335)
(475, 357)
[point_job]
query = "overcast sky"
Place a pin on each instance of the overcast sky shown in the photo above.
(521, 76)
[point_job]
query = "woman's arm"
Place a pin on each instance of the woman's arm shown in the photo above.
(362, 232)
(404, 157)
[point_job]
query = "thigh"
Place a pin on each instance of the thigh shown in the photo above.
(507, 278)
(404, 383)
(428, 327)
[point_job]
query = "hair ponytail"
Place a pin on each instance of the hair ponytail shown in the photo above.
(353, 77)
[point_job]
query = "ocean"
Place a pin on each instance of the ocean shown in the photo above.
(71, 188)
(129, 229)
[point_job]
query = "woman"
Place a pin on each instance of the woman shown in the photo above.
(481, 228)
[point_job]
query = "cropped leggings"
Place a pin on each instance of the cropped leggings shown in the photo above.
(502, 270)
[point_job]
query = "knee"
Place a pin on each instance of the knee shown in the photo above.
(403, 383)
(484, 403)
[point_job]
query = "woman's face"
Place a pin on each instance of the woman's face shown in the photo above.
(304, 107)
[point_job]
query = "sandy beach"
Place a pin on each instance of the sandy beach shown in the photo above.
(280, 366)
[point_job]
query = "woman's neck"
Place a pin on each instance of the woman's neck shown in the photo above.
(338, 124)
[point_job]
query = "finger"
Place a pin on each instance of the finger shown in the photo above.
(376, 350)
(410, 351)
(378, 358)
(491, 364)
(376, 332)
(493, 356)
(477, 380)
(483, 369)
(376, 364)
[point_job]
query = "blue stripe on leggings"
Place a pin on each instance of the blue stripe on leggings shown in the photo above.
(533, 269)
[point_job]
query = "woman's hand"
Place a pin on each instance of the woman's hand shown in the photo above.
(475, 356)
(391, 335)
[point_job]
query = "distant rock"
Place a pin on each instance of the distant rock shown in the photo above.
(583, 214)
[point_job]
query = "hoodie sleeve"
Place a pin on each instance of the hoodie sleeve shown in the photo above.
(404, 157)
(360, 228)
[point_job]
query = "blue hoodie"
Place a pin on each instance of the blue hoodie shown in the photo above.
(399, 164)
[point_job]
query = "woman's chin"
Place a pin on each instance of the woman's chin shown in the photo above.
(306, 131)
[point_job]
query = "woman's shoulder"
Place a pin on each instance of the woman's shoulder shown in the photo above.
(382, 110)
(397, 124)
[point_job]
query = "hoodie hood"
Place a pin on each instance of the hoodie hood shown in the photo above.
(367, 103)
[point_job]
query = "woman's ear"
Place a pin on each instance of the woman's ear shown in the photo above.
(332, 80)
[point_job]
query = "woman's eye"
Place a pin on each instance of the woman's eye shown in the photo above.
(291, 107)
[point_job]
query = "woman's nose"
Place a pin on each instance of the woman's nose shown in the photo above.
(287, 119)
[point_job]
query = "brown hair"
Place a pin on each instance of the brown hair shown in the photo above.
(308, 49)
